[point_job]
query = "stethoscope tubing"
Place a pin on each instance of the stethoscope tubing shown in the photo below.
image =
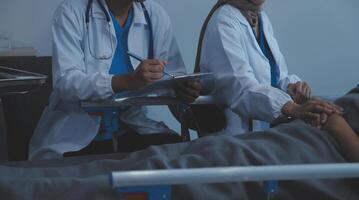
(108, 19)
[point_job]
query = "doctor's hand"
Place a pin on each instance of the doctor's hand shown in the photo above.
(148, 72)
(314, 112)
(300, 92)
(188, 91)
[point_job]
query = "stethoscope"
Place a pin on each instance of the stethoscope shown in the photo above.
(108, 19)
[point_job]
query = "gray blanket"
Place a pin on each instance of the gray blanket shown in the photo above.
(292, 143)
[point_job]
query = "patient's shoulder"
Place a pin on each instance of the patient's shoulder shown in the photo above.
(350, 103)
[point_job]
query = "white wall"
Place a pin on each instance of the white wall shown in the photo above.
(319, 38)
(28, 22)
(320, 41)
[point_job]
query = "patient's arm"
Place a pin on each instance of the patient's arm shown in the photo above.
(347, 138)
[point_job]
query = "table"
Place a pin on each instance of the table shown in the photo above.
(155, 101)
(145, 101)
(12, 82)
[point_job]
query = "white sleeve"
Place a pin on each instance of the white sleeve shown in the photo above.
(236, 85)
(71, 80)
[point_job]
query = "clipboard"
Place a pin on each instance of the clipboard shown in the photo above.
(165, 85)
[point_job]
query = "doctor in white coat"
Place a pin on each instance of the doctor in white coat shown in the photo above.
(238, 45)
(84, 46)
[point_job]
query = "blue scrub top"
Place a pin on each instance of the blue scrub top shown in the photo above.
(121, 65)
(263, 43)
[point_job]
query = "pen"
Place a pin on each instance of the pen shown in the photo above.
(139, 58)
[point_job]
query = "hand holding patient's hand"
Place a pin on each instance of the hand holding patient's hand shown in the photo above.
(314, 112)
(188, 91)
(338, 111)
(148, 72)
(300, 92)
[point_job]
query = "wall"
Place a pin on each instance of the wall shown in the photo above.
(28, 22)
(318, 38)
(319, 41)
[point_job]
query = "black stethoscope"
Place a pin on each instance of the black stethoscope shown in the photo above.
(108, 19)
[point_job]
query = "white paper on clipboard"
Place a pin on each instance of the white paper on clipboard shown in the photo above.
(166, 84)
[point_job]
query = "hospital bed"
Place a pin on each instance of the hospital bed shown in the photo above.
(156, 184)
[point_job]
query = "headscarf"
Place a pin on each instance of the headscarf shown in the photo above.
(249, 8)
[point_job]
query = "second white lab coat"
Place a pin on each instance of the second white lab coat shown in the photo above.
(78, 75)
(243, 77)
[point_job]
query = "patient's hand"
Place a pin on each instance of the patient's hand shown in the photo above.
(334, 123)
(345, 135)
(314, 112)
(324, 117)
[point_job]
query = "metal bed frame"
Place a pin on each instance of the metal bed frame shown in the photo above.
(234, 174)
(157, 183)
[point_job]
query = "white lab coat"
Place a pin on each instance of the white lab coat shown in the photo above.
(231, 51)
(77, 75)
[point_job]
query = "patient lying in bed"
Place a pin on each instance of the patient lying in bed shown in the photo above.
(291, 143)
(345, 129)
